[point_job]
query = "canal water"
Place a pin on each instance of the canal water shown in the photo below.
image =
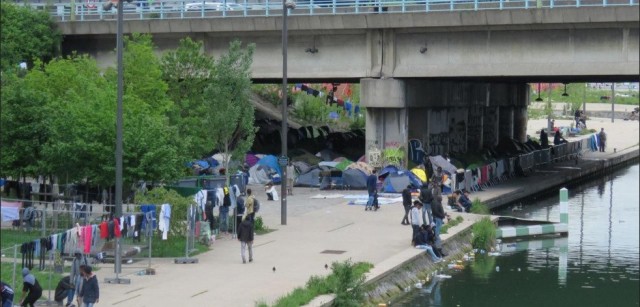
(597, 264)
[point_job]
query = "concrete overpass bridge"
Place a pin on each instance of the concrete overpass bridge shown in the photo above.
(454, 79)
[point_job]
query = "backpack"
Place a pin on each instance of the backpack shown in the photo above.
(256, 205)
(28, 213)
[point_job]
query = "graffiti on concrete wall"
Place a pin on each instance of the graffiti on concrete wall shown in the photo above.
(474, 128)
(490, 126)
(438, 138)
(457, 130)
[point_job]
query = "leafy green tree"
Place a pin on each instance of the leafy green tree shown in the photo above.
(23, 122)
(187, 71)
(230, 112)
(27, 34)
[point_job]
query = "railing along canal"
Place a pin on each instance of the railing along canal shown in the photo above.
(86, 10)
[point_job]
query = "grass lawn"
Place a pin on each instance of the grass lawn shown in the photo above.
(11, 237)
(41, 276)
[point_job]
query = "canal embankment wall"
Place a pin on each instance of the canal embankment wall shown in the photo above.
(559, 175)
(389, 279)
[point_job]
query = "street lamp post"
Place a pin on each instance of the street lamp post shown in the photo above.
(118, 200)
(286, 5)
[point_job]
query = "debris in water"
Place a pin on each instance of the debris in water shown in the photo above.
(443, 276)
(588, 287)
(494, 254)
(418, 285)
(497, 268)
(518, 269)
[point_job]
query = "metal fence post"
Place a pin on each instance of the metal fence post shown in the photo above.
(15, 259)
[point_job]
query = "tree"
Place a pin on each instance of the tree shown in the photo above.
(27, 34)
(230, 113)
(187, 71)
(23, 123)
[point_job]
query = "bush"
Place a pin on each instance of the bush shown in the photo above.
(445, 228)
(484, 234)
(346, 281)
(348, 284)
(478, 207)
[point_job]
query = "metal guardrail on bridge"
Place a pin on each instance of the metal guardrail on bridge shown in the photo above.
(87, 10)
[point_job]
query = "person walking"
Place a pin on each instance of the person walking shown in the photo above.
(249, 214)
(7, 294)
(416, 218)
(31, 288)
(603, 139)
(90, 291)
(245, 236)
(406, 202)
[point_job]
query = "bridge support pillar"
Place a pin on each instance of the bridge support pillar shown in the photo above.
(387, 119)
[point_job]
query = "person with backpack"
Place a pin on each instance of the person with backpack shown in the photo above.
(31, 288)
(426, 197)
(28, 216)
(240, 209)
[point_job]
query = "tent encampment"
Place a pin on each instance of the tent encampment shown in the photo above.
(395, 182)
(362, 166)
(354, 179)
(420, 173)
(442, 162)
(309, 179)
(270, 161)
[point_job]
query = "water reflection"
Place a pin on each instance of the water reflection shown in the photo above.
(597, 264)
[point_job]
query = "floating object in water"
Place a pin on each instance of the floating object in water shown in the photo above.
(497, 268)
(494, 254)
(443, 276)
(382, 305)
(588, 287)
(498, 241)
(518, 269)
(418, 285)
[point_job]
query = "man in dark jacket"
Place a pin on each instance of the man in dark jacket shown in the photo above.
(62, 290)
(426, 197)
(406, 202)
(245, 236)
(372, 183)
(90, 291)
(438, 215)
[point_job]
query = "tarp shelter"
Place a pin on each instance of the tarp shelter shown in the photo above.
(272, 162)
(343, 164)
(259, 174)
(301, 166)
(251, 159)
(354, 179)
(387, 170)
(420, 173)
(362, 166)
(443, 163)
(309, 179)
(395, 182)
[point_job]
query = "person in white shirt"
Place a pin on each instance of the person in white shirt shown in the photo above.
(416, 218)
(272, 194)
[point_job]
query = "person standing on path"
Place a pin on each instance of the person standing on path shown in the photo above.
(291, 178)
(75, 275)
(406, 202)
(438, 216)
(224, 211)
(90, 291)
(249, 214)
(245, 236)
(416, 218)
(603, 139)
(31, 288)
(426, 197)
(372, 183)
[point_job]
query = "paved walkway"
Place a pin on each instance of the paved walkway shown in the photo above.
(314, 225)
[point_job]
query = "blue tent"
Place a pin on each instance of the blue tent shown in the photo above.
(270, 161)
(388, 170)
(395, 182)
